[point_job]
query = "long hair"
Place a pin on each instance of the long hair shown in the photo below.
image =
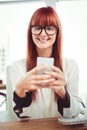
(44, 16)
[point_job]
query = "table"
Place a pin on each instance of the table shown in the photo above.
(39, 124)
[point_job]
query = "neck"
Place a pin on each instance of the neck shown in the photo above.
(44, 52)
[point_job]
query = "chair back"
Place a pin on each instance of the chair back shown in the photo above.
(9, 114)
(9, 89)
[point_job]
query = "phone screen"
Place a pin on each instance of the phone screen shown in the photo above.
(45, 61)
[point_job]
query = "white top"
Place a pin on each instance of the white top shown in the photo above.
(45, 106)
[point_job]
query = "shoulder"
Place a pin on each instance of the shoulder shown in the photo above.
(69, 62)
(70, 65)
(19, 64)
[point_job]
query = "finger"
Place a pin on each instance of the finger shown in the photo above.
(41, 82)
(55, 75)
(34, 87)
(37, 69)
(40, 77)
(58, 83)
(56, 69)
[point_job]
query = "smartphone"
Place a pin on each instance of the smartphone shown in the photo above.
(45, 61)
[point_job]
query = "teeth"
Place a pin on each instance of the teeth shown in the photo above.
(43, 40)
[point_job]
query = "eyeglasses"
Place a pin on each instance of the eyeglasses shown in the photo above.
(50, 30)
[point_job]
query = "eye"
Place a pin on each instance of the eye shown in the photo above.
(37, 27)
(50, 28)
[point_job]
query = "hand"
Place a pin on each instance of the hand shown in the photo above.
(59, 83)
(32, 81)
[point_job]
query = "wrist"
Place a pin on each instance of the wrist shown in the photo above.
(20, 92)
(62, 93)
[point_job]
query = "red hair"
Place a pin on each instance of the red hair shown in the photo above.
(44, 16)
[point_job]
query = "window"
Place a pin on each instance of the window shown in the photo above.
(73, 15)
(14, 19)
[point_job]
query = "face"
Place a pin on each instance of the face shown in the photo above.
(44, 40)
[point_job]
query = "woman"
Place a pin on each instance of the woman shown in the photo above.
(31, 97)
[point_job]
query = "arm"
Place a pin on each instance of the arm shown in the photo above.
(71, 106)
(18, 69)
(21, 102)
(27, 82)
(63, 103)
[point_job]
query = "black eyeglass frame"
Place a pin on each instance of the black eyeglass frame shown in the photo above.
(56, 29)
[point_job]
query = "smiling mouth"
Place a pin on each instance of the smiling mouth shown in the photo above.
(43, 40)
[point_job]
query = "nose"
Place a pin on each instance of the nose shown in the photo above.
(43, 32)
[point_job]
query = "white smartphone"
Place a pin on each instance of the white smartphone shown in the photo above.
(45, 61)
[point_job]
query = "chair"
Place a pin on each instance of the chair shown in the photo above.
(9, 89)
(9, 114)
(4, 98)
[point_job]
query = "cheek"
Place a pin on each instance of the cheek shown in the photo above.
(33, 38)
(54, 39)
